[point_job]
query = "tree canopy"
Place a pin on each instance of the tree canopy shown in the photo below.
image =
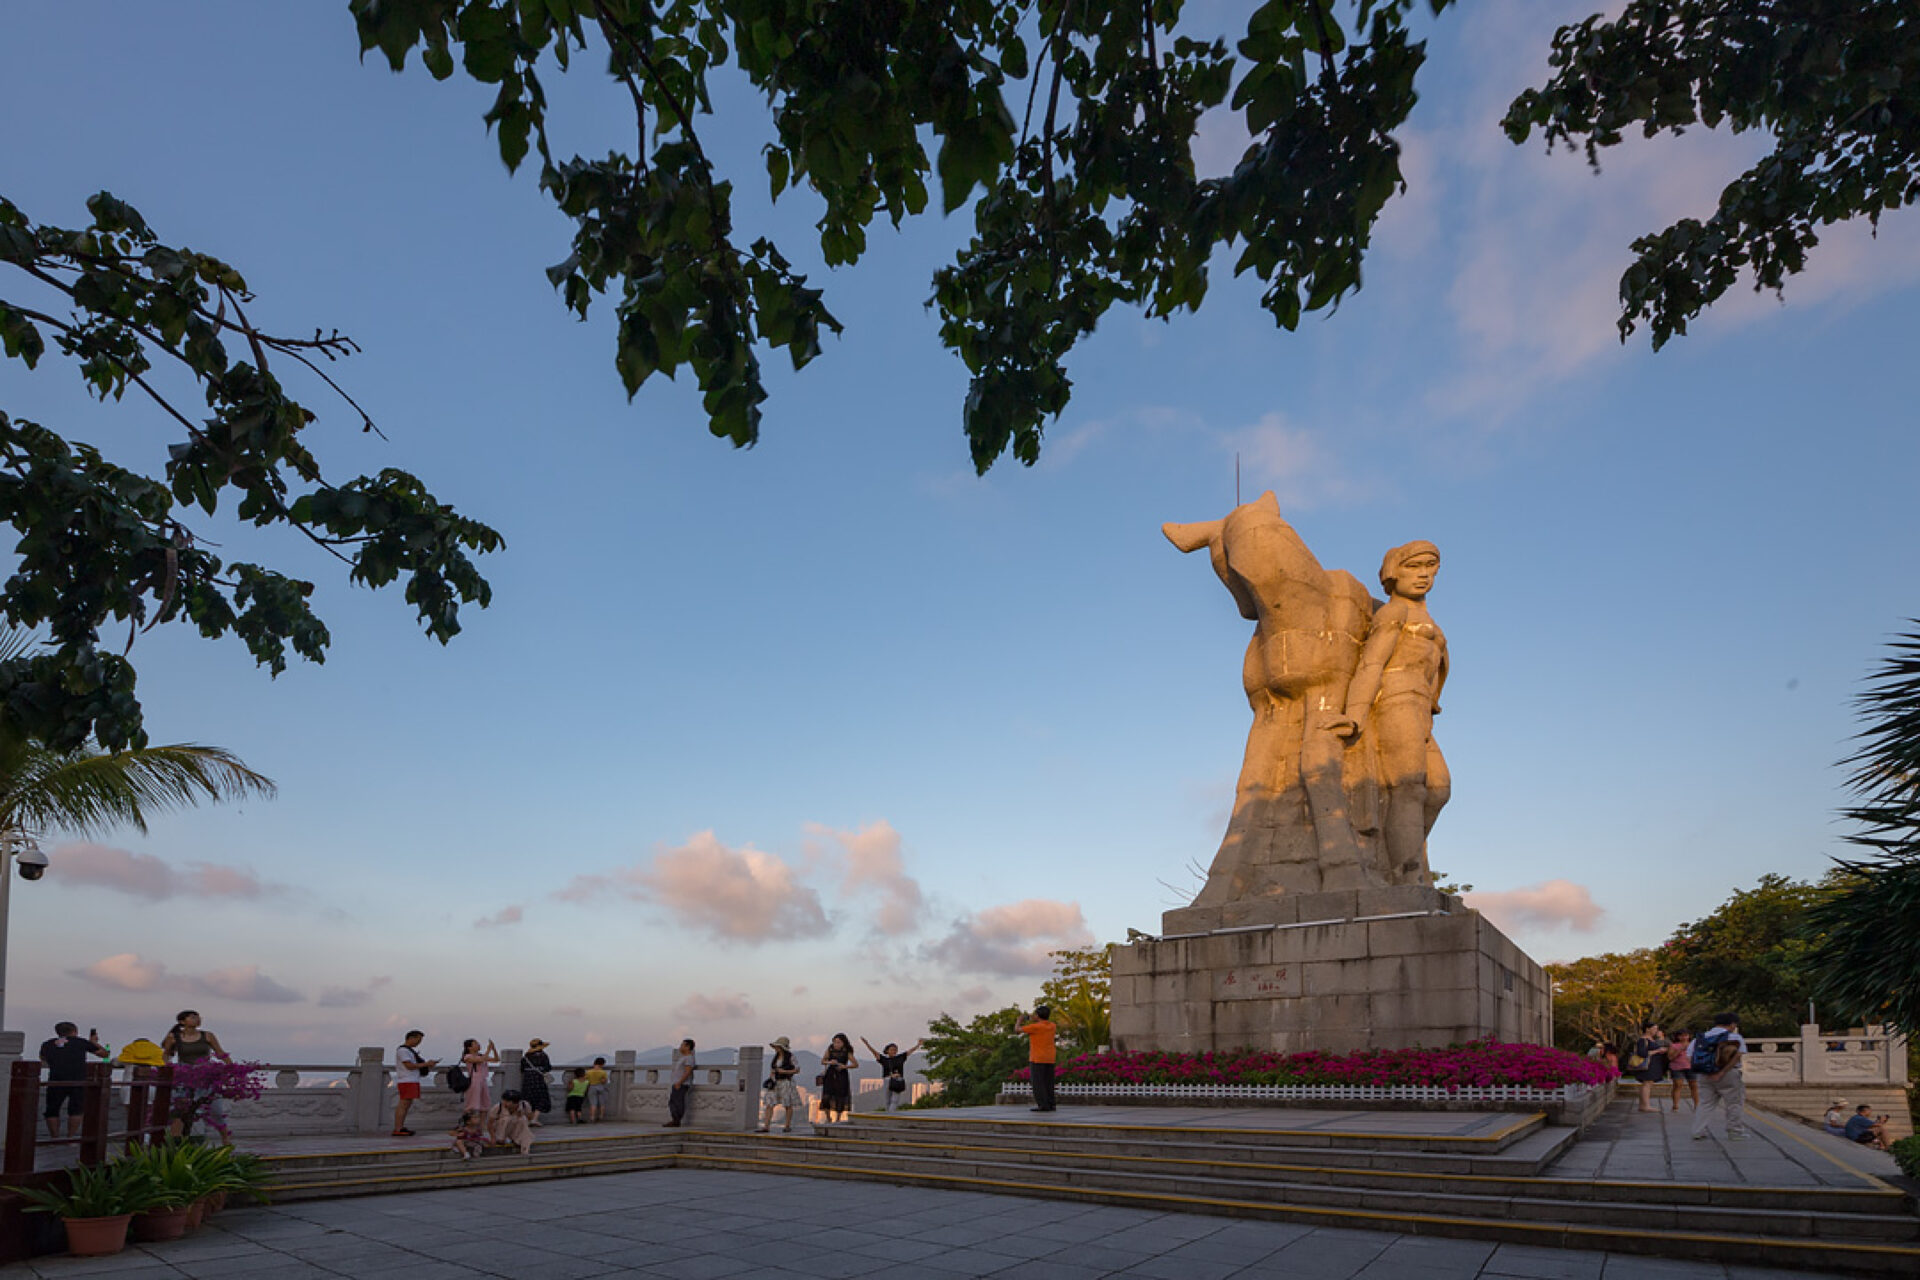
(1751, 954)
(1064, 128)
(1605, 998)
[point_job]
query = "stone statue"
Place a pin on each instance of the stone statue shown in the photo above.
(1341, 780)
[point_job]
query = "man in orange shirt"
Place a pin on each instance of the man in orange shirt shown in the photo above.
(1039, 1033)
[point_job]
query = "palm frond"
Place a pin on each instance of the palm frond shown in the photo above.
(90, 792)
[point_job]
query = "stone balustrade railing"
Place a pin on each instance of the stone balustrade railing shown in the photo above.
(1817, 1057)
(358, 1097)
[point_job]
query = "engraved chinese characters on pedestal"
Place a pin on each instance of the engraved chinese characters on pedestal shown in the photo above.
(1341, 781)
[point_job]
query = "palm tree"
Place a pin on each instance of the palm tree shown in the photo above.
(88, 792)
(1866, 952)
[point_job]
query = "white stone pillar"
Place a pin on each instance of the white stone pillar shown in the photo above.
(1813, 1054)
(622, 1079)
(750, 1067)
(367, 1089)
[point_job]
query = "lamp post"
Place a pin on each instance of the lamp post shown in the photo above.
(15, 847)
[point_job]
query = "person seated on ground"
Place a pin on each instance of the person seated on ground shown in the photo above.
(510, 1123)
(1836, 1117)
(1866, 1130)
(470, 1135)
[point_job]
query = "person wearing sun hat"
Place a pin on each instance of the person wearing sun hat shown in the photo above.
(534, 1065)
(781, 1089)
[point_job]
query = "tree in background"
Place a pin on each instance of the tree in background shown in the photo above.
(1866, 957)
(971, 1062)
(1751, 955)
(1080, 993)
(1607, 997)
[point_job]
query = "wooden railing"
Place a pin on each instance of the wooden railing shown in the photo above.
(149, 1104)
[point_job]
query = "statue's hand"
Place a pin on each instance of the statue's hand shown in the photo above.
(1343, 727)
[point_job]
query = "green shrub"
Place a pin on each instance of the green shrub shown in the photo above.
(1906, 1154)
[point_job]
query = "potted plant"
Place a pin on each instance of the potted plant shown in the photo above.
(183, 1174)
(96, 1206)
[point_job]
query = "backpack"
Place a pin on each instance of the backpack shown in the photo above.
(1704, 1057)
(458, 1080)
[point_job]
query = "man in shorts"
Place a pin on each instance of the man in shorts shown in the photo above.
(408, 1068)
(65, 1057)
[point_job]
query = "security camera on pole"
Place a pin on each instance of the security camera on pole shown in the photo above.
(16, 847)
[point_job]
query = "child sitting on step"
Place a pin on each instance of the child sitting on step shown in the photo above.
(470, 1135)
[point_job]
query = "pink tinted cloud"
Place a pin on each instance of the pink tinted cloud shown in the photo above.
(128, 971)
(705, 1008)
(739, 895)
(124, 972)
(1012, 939)
(874, 865)
(1549, 905)
(504, 916)
(141, 875)
(350, 997)
(245, 983)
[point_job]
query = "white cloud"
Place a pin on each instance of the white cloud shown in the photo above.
(699, 1008)
(128, 971)
(874, 865)
(124, 972)
(740, 895)
(1013, 939)
(1549, 905)
(141, 875)
(244, 983)
(350, 997)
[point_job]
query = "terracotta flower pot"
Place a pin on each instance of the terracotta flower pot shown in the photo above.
(196, 1214)
(215, 1203)
(169, 1223)
(97, 1237)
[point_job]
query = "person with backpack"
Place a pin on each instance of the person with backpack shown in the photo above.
(408, 1069)
(476, 1067)
(1715, 1061)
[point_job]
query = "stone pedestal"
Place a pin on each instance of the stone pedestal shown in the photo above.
(1359, 969)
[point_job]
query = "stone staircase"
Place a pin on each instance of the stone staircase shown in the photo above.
(1489, 1187)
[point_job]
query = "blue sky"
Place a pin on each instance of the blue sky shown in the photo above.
(831, 734)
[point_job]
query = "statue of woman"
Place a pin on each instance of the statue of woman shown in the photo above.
(1392, 700)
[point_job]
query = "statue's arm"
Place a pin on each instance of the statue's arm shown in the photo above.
(1440, 680)
(1374, 656)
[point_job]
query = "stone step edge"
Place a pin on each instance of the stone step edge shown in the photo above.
(405, 1162)
(1871, 1258)
(1905, 1225)
(1523, 1124)
(466, 1173)
(1888, 1195)
(1801, 1251)
(292, 1157)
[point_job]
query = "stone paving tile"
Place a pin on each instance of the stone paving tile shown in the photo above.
(901, 1250)
(710, 1266)
(1047, 1269)
(1174, 1267)
(1621, 1266)
(1544, 1264)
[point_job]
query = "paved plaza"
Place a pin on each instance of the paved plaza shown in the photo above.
(693, 1224)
